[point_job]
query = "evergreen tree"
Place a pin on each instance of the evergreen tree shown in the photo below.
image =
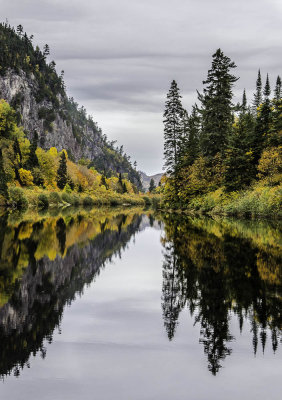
(173, 300)
(192, 135)
(18, 159)
(103, 182)
(17, 152)
(277, 91)
(32, 161)
(173, 129)
(239, 169)
(263, 123)
(20, 30)
(217, 105)
(120, 182)
(124, 188)
(275, 132)
(244, 102)
(258, 95)
(3, 178)
(152, 186)
(62, 177)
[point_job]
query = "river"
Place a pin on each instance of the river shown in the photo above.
(129, 304)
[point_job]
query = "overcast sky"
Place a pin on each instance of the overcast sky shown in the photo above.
(119, 56)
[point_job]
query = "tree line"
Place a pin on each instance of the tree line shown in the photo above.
(219, 143)
(25, 165)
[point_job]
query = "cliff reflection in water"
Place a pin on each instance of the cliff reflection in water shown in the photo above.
(219, 269)
(44, 264)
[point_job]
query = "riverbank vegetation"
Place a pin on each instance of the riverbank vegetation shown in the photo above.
(223, 157)
(31, 176)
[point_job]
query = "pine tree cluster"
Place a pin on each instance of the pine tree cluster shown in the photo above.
(220, 144)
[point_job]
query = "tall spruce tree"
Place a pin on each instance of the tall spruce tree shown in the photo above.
(192, 135)
(275, 131)
(18, 159)
(3, 178)
(217, 105)
(32, 161)
(244, 102)
(277, 91)
(173, 130)
(62, 176)
(104, 182)
(258, 95)
(152, 186)
(239, 169)
(263, 123)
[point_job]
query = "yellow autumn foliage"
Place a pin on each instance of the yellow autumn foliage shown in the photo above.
(25, 177)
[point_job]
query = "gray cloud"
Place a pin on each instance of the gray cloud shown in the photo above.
(119, 57)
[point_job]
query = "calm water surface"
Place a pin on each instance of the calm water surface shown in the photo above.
(126, 304)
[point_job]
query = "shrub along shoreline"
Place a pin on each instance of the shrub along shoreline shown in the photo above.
(37, 198)
(257, 202)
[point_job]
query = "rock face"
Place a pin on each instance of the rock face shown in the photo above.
(145, 179)
(31, 85)
(18, 85)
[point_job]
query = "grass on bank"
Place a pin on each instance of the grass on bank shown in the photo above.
(38, 198)
(259, 201)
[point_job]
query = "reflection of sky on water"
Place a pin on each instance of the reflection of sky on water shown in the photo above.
(113, 345)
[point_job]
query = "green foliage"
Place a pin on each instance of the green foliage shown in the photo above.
(54, 198)
(173, 129)
(7, 120)
(67, 198)
(32, 161)
(239, 159)
(258, 95)
(43, 201)
(152, 186)
(226, 149)
(217, 105)
(3, 178)
(88, 201)
(62, 172)
(49, 116)
(104, 182)
(148, 200)
(17, 198)
(191, 143)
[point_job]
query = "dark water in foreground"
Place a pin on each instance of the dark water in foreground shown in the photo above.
(124, 304)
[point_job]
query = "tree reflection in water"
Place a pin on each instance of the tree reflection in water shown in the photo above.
(218, 269)
(44, 265)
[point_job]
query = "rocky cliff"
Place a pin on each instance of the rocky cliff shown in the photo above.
(145, 179)
(60, 133)
(33, 88)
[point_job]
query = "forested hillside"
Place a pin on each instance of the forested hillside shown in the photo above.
(31, 85)
(224, 157)
(32, 176)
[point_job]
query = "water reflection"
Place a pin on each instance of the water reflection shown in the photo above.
(45, 262)
(218, 269)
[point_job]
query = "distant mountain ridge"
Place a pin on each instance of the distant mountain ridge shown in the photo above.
(145, 179)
